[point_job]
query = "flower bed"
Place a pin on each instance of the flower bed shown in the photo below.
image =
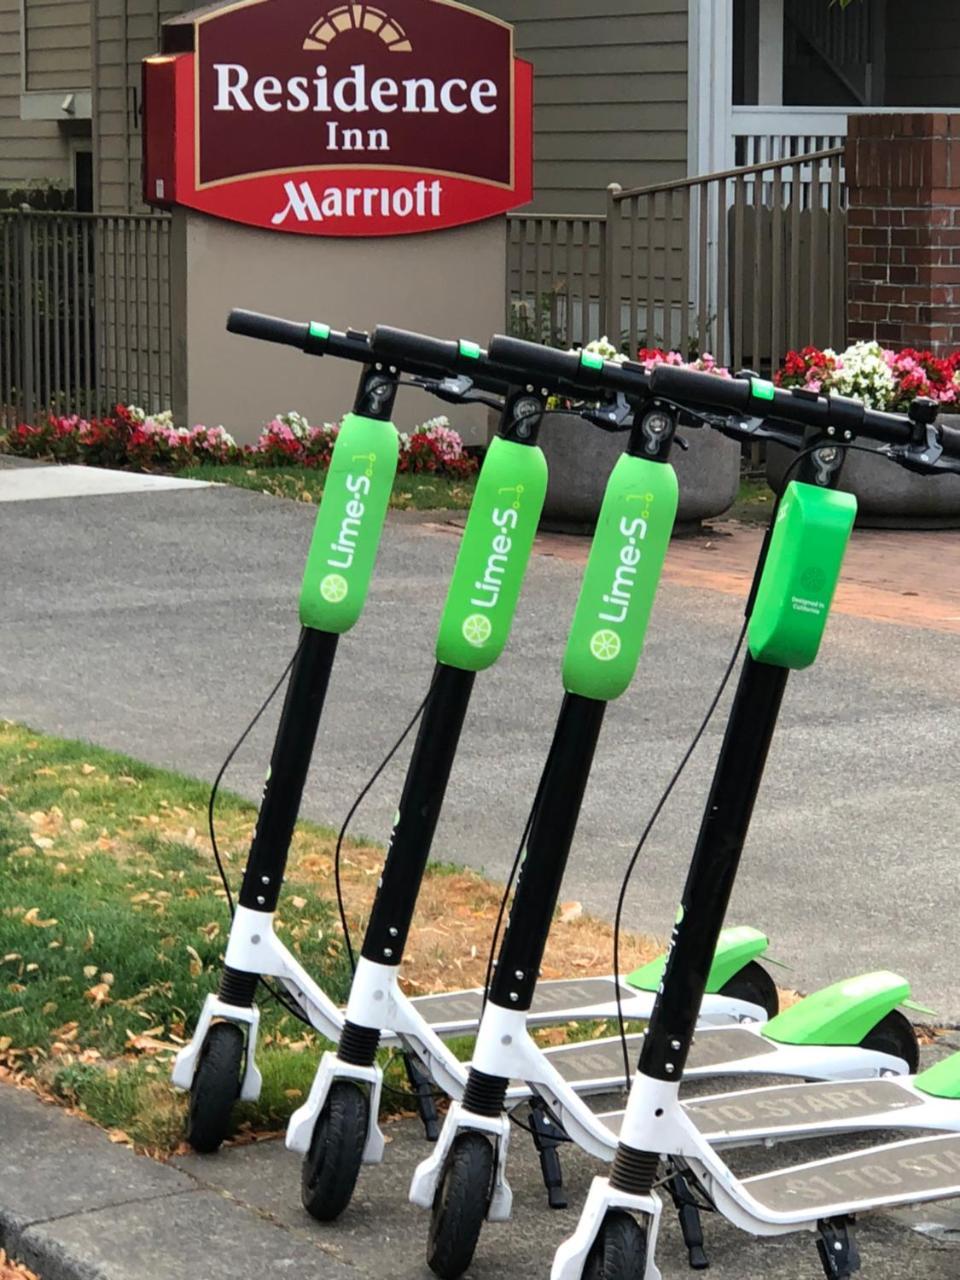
(132, 439)
(879, 377)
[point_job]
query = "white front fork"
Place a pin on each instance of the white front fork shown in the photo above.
(253, 947)
(571, 1257)
(376, 1001)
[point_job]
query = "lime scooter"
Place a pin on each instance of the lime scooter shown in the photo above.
(218, 1065)
(791, 602)
(336, 1128)
(451, 1182)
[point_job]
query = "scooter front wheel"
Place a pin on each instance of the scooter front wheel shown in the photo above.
(331, 1166)
(460, 1204)
(755, 986)
(620, 1250)
(216, 1087)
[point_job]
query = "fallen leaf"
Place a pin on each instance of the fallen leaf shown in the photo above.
(298, 903)
(77, 824)
(196, 964)
(42, 842)
(570, 911)
(87, 769)
(98, 994)
(89, 970)
(118, 1135)
(33, 917)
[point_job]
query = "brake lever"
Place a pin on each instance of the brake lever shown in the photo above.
(614, 417)
(456, 390)
(923, 456)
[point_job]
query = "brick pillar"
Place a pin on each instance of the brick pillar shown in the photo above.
(903, 230)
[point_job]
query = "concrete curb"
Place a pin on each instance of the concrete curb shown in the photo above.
(75, 1206)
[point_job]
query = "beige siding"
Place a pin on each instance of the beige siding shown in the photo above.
(58, 45)
(127, 31)
(610, 94)
(31, 151)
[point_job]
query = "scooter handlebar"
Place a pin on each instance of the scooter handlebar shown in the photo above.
(798, 407)
(251, 324)
(534, 360)
(404, 346)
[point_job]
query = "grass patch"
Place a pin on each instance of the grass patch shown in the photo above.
(114, 921)
(410, 492)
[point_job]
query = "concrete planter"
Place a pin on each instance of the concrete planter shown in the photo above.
(581, 457)
(887, 496)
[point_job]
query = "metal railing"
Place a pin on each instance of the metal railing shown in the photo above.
(555, 265)
(744, 264)
(85, 318)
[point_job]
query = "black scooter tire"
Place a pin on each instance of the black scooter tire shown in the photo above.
(460, 1204)
(894, 1034)
(754, 985)
(328, 1175)
(216, 1087)
(620, 1250)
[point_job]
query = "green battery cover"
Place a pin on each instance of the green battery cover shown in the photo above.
(620, 582)
(493, 556)
(349, 524)
(800, 576)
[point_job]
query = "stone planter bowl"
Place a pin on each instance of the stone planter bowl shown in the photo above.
(887, 496)
(580, 458)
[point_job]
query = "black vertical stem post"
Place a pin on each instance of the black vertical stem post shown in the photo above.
(548, 847)
(420, 804)
(289, 764)
(713, 870)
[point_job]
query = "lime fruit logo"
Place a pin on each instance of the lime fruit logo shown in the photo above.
(334, 588)
(605, 645)
(477, 630)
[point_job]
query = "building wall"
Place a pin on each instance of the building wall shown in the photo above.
(127, 31)
(922, 43)
(610, 94)
(33, 152)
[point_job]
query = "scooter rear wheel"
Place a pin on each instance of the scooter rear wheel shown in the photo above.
(619, 1251)
(460, 1204)
(216, 1087)
(754, 985)
(331, 1166)
(895, 1035)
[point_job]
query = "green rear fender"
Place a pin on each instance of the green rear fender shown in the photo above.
(840, 1014)
(493, 556)
(349, 524)
(800, 575)
(736, 948)
(942, 1080)
(620, 582)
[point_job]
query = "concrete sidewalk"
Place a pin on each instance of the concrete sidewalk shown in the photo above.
(73, 1206)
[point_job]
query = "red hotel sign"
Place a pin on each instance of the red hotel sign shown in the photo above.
(340, 119)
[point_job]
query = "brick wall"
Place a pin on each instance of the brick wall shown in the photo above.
(903, 230)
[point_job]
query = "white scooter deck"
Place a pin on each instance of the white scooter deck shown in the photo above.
(453, 1013)
(817, 1110)
(914, 1170)
(597, 1065)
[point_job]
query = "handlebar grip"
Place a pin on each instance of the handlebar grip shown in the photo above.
(704, 389)
(251, 324)
(402, 345)
(532, 359)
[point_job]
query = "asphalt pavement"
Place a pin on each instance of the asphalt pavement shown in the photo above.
(155, 623)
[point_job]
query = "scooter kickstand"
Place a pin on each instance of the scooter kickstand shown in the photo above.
(837, 1248)
(422, 1086)
(691, 1227)
(547, 1137)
